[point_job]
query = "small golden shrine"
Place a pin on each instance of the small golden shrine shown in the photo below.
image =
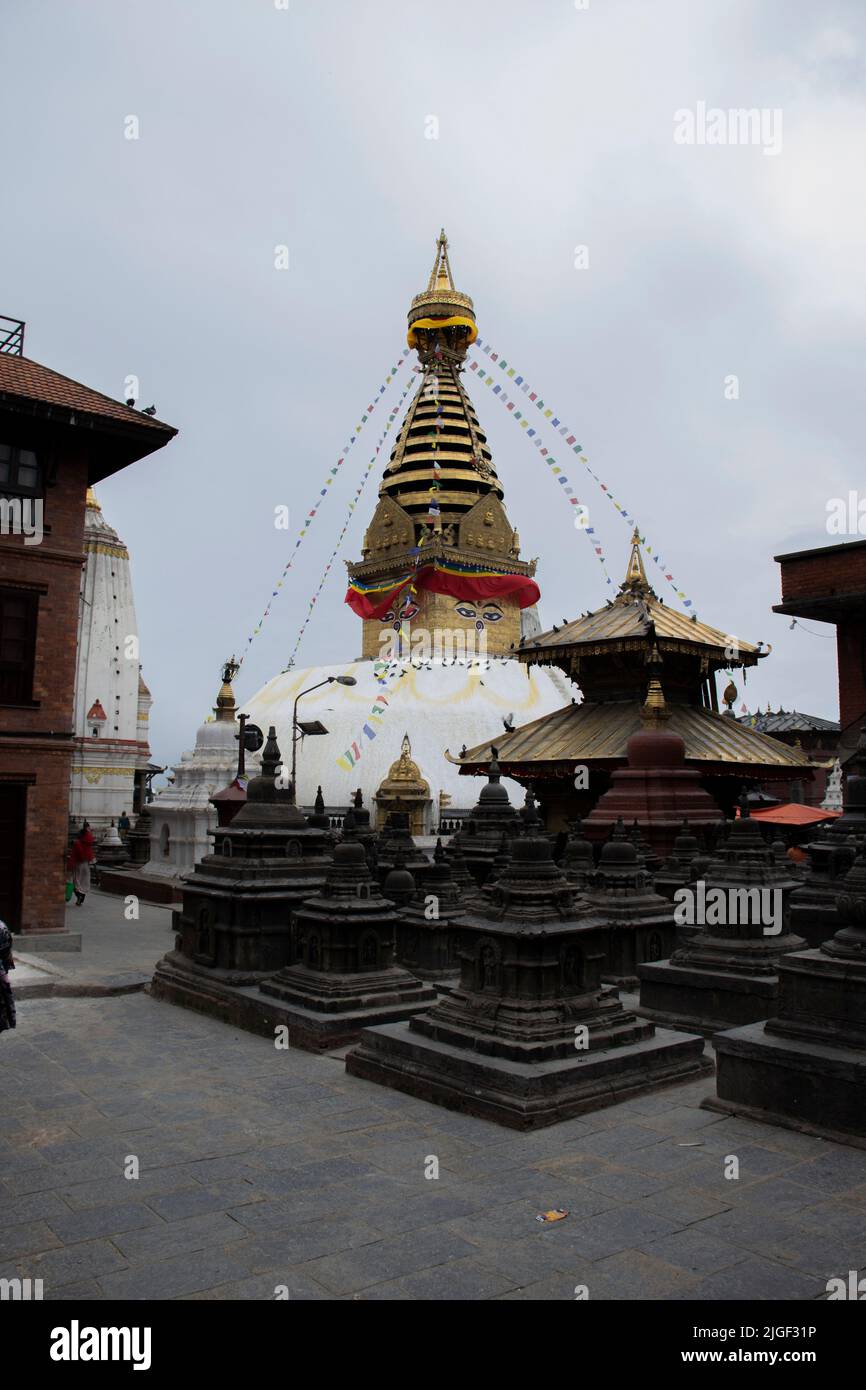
(404, 789)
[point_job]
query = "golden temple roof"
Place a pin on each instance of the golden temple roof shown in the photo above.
(599, 733)
(638, 612)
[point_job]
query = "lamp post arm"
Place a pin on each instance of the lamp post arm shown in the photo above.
(299, 696)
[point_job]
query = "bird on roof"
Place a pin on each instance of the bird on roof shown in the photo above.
(149, 410)
(463, 751)
(508, 721)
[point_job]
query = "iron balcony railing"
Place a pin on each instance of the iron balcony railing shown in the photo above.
(12, 335)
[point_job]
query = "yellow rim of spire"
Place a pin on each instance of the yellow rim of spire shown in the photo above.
(456, 321)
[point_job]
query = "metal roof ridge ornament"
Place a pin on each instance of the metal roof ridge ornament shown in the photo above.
(635, 581)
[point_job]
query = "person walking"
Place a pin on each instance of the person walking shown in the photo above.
(124, 825)
(7, 998)
(81, 856)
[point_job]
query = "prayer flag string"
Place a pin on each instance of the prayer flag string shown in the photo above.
(581, 515)
(352, 505)
(570, 438)
(333, 472)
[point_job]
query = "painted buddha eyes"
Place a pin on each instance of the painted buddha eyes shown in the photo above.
(408, 610)
(490, 614)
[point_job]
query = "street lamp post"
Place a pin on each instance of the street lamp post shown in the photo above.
(329, 680)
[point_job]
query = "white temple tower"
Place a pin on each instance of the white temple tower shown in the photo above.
(111, 758)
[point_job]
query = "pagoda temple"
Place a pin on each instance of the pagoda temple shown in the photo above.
(444, 599)
(614, 654)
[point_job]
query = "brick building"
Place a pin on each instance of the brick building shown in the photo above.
(56, 438)
(829, 586)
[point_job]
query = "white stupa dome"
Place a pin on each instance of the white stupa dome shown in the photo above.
(440, 705)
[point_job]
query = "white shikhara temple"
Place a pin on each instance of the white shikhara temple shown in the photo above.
(111, 757)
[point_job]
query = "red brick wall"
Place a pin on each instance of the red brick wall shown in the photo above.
(851, 646)
(55, 566)
(822, 576)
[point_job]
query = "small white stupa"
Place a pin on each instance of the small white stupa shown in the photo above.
(833, 798)
(111, 757)
(181, 814)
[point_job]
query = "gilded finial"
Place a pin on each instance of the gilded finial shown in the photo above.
(654, 709)
(440, 276)
(225, 706)
(635, 575)
(441, 318)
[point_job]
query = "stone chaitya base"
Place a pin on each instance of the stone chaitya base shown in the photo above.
(704, 1001)
(522, 1095)
(321, 1017)
(815, 1087)
(392, 995)
(530, 1036)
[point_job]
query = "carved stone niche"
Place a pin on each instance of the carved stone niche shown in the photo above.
(486, 527)
(488, 964)
(391, 526)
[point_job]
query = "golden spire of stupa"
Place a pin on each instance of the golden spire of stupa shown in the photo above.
(92, 502)
(441, 320)
(440, 276)
(225, 707)
(635, 575)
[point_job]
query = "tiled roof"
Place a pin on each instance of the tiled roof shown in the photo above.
(792, 813)
(28, 380)
(633, 615)
(590, 732)
(789, 722)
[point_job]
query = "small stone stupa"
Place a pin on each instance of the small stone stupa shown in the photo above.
(578, 859)
(344, 977)
(234, 927)
(357, 828)
(479, 838)
(727, 972)
(530, 1035)
(638, 923)
(831, 855)
(427, 936)
(111, 852)
(682, 865)
(396, 843)
(806, 1066)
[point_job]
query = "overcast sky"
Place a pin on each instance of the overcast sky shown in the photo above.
(308, 127)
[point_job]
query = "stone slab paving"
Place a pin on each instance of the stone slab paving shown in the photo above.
(261, 1168)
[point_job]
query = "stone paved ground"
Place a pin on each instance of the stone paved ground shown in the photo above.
(261, 1168)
